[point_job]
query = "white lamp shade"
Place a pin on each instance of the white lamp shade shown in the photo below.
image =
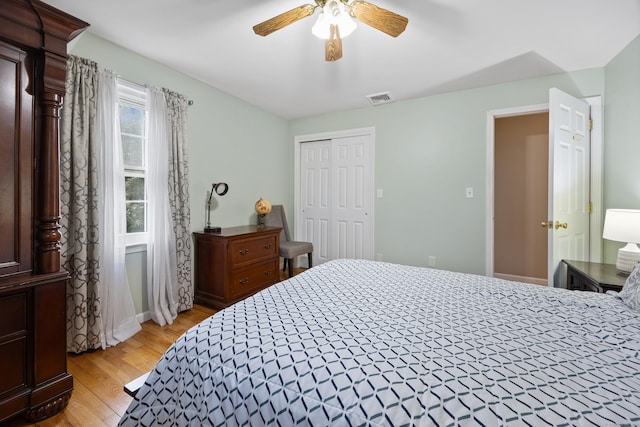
(321, 28)
(622, 225)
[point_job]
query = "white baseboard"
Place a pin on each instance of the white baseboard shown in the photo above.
(533, 280)
(143, 317)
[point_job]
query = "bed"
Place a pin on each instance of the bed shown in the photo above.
(363, 343)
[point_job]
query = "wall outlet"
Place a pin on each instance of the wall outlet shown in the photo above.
(379, 193)
(432, 261)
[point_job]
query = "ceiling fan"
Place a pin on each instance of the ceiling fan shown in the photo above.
(335, 21)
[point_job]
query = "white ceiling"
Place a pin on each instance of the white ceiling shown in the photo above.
(448, 45)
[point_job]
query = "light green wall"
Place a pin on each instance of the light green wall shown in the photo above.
(428, 150)
(622, 142)
(229, 141)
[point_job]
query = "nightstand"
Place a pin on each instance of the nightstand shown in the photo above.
(593, 276)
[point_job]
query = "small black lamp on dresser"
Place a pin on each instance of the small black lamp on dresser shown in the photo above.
(593, 276)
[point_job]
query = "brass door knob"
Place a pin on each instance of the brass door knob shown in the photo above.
(561, 225)
(550, 224)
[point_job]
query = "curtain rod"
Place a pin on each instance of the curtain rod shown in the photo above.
(142, 87)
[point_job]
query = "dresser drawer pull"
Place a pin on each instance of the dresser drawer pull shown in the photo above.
(268, 246)
(244, 281)
(244, 251)
(268, 272)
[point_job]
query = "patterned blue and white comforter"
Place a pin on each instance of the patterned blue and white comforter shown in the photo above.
(361, 343)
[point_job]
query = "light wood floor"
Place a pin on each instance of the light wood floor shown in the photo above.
(98, 398)
(98, 376)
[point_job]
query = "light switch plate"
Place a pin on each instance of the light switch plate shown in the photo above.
(469, 192)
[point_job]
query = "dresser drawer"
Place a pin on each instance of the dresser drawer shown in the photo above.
(248, 250)
(13, 314)
(250, 279)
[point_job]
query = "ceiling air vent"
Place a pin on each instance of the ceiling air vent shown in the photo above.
(380, 98)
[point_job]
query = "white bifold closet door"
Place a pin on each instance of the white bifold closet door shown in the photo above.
(336, 197)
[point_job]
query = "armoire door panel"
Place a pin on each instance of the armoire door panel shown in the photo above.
(16, 153)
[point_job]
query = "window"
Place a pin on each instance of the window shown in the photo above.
(133, 131)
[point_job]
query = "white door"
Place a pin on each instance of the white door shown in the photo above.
(336, 197)
(315, 192)
(569, 177)
(352, 233)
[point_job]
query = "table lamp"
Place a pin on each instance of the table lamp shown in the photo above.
(220, 189)
(623, 225)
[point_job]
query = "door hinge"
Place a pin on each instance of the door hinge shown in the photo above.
(590, 207)
(590, 124)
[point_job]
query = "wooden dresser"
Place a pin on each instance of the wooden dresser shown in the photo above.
(235, 263)
(33, 353)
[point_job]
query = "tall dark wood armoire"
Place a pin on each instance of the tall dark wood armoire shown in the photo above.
(33, 356)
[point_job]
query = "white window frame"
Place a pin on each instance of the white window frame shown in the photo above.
(135, 95)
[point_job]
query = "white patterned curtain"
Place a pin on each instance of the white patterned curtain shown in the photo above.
(100, 311)
(79, 205)
(177, 107)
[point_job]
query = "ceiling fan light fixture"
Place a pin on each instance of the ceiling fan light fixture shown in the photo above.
(335, 22)
(333, 13)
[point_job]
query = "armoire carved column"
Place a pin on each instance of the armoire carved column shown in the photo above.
(34, 380)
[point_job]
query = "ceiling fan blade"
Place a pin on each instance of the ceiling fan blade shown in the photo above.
(333, 45)
(378, 18)
(277, 22)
